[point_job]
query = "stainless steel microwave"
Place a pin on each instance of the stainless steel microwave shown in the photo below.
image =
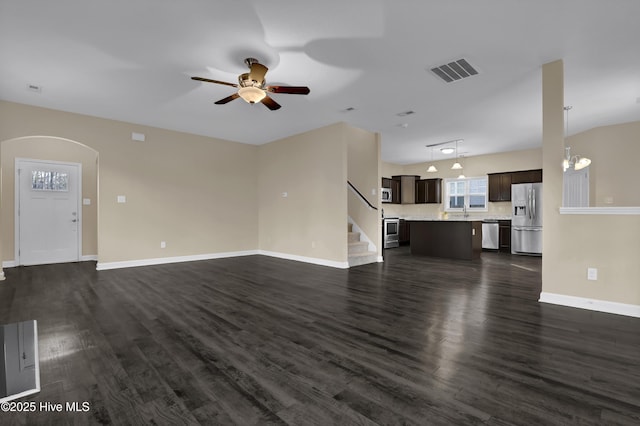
(385, 194)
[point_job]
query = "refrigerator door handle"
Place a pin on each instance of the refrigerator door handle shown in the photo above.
(533, 202)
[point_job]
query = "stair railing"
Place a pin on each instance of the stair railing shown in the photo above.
(362, 197)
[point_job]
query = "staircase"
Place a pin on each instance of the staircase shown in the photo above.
(359, 253)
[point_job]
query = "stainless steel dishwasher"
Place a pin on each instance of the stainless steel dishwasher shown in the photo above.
(490, 234)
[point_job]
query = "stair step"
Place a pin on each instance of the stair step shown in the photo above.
(350, 227)
(353, 237)
(363, 258)
(358, 247)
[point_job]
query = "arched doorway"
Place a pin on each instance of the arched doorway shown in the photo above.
(48, 150)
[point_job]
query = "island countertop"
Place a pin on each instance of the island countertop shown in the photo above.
(449, 238)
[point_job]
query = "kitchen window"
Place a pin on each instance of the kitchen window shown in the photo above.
(467, 194)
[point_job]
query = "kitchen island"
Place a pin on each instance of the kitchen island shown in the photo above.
(453, 239)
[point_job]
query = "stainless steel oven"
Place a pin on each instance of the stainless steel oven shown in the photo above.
(391, 231)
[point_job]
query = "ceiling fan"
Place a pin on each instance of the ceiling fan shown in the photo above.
(251, 86)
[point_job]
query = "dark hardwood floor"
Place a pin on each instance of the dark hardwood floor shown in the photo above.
(258, 340)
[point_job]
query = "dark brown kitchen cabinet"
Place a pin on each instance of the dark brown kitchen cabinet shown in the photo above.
(404, 232)
(500, 187)
(500, 183)
(403, 189)
(396, 196)
(504, 235)
(386, 182)
(527, 176)
(429, 191)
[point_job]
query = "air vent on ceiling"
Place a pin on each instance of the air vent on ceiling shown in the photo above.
(405, 113)
(454, 71)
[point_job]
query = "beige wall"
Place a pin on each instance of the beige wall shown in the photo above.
(473, 167)
(196, 193)
(363, 157)
(311, 221)
(55, 149)
(614, 152)
(572, 243)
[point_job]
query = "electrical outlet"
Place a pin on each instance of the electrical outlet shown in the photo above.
(592, 274)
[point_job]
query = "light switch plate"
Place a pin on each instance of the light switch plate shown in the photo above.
(592, 274)
(122, 199)
(86, 201)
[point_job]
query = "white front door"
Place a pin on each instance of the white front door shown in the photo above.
(47, 212)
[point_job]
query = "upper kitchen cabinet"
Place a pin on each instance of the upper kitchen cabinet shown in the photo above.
(527, 176)
(500, 183)
(500, 187)
(406, 189)
(428, 191)
(386, 182)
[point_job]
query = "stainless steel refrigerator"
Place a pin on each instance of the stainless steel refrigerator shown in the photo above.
(526, 218)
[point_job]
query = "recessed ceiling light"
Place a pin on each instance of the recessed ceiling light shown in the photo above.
(403, 125)
(349, 109)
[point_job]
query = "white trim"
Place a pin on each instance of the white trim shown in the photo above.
(601, 210)
(380, 259)
(2, 277)
(36, 356)
(102, 266)
(84, 258)
(372, 247)
(314, 260)
(591, 304)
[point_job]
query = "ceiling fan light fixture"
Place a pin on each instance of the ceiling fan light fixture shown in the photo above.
(252, 94)
(447, 150)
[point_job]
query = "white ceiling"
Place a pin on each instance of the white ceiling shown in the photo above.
(132, 61)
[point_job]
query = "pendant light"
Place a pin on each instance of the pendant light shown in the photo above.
(461, 175)
(577, 162)
(432, 168)
(456, 165)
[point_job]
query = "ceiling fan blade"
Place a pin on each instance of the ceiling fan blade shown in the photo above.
(257, 73)
(292, 90)
(270, 103)
(227, 99)
(206, 80)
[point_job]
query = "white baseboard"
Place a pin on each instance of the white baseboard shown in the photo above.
(380, 259)
(102, 266)
(314, 260)
(2, 277)
(591, 304)
(84, 258)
